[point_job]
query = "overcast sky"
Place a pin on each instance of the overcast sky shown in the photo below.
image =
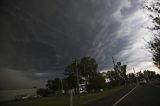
(38, 38)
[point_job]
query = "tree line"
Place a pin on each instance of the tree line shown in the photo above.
(83, 77)
(80, 75)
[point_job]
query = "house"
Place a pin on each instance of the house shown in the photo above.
(83, 85)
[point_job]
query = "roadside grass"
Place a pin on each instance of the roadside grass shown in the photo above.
(84, 99)
(63, 100)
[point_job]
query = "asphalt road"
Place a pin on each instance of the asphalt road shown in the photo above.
(142, 95)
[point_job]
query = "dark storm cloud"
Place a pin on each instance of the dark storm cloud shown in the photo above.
(44, 34)
(40, 37)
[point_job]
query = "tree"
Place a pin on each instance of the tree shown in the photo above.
(43, 92)
(153, 11)
(54, 85)
(140, 75)
(97, 82)
(85, 68)
(132, 78)
(88, 68)
(121, 72)
(112, 75)
(71, 73)
(149, 75)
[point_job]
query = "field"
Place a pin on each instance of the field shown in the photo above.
(62, 100)
(6, 95)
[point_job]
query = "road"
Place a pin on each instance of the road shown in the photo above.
(142, 95)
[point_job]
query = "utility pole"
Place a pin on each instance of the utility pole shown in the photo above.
(134, 70)
(135, 74)
(77, 76)
(113, 63)
(71, 98)
(62, 86)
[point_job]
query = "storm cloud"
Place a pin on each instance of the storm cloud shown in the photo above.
(40, 37)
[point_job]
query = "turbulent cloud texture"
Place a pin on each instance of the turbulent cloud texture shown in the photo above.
(39, 38)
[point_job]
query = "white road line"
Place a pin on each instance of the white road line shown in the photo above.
(124, 96)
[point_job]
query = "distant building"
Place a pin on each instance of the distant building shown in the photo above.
(82, 85)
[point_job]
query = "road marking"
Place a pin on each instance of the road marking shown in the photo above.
(124, 96)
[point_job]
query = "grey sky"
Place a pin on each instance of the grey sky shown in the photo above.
(39, 38)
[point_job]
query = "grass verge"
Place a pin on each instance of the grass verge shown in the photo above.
(63, 100)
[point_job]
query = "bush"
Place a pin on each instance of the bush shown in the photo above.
(43, 92)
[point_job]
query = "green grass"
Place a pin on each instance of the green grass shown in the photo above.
(63, 100)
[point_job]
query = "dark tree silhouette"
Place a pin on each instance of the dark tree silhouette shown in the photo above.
(71, 75)
(87, 66)
(152, 8)
(86, 69)
(54, 84)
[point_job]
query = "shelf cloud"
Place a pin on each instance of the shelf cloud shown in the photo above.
(39, 38)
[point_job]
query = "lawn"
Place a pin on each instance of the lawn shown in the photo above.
(63, 100)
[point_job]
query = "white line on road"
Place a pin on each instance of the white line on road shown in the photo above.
(124, 97)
